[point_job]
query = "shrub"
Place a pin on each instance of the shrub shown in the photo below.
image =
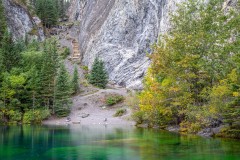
(14, 116)
(35, 116)
(66, 53)
(138, 117)
(229, 132)
(114, 99)
(34, 31)
(188, 127)
(63, 108)
(84, 83)
(85, 68)
(132, 100)
(1, 117)
(120, 112)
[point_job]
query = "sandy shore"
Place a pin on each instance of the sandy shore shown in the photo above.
(91, 110)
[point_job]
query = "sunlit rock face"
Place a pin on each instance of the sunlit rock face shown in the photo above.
(21, 23)
(121, 32)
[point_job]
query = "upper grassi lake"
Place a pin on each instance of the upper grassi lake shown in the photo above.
(98, 142)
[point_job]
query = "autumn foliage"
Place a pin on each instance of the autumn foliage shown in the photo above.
(194, 79)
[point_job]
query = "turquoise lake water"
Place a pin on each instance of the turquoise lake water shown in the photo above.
(109, 143)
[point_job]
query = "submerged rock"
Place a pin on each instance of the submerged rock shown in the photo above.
(173, 128)
(209, 132)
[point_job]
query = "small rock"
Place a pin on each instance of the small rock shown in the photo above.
(142, 125)
(206, 132)
(68, 119)
(85, 115)
(76, 122)
(173, 128)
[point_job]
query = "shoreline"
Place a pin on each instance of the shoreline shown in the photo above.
(92, 110)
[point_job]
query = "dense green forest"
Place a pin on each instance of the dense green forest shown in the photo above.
(194, 79)
(33, 81)
(50, 11)
(3, 24)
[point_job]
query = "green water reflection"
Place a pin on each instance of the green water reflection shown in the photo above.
(109, 143)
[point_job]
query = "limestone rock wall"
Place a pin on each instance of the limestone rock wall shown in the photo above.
(21, 23)
(121, 33)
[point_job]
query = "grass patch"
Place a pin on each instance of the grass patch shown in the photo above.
(84, 83)
(34, 31)
(85, 68)
(120, 112)
(132, 100)
(114, 99)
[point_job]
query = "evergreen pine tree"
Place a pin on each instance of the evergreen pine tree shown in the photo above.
(61, 9)
(63, 92)
(47, 12)
(34, 84)
(98, 76)
(49, 72)
(3, 25)
(75, 81)
(10, 52)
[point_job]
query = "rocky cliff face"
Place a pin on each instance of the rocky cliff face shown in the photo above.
(75, 10)
(21, 23)
(121, 33)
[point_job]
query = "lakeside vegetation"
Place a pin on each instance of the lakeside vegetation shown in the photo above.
(33, 81)
(194, 79)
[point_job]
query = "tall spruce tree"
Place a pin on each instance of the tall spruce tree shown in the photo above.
(63, 92)
(75, 81)
(47, 12)
(34, 84)
(61, 8)
(49, 72)
(10, 52)
(3, 25)
(98, 76)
